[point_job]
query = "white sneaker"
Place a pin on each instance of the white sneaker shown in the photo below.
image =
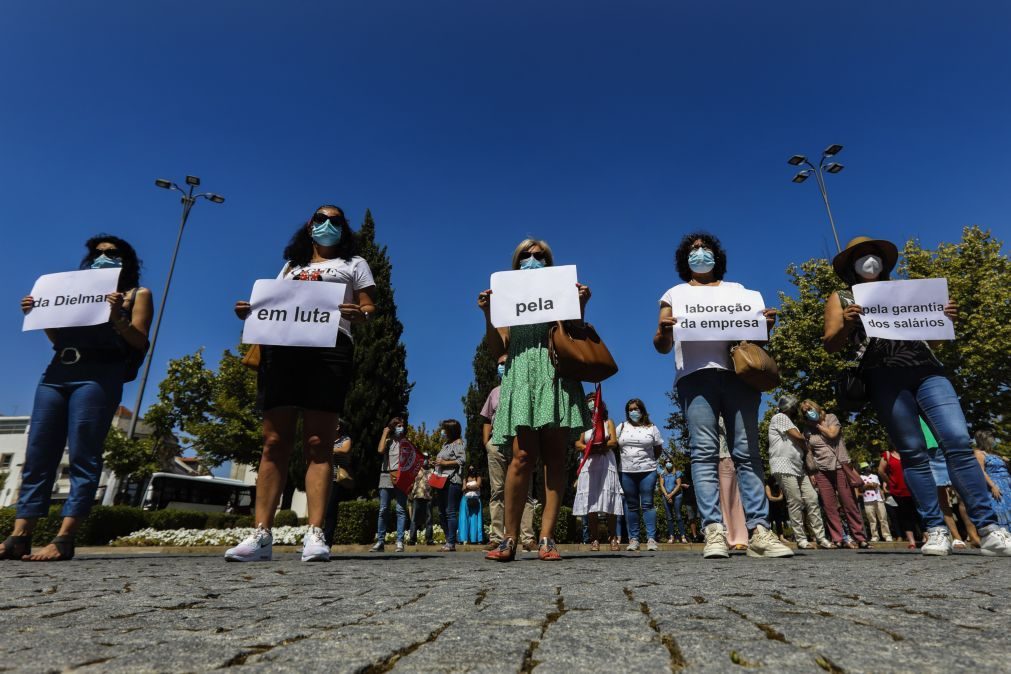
(958, 544)
(997, 543)
(938, 542)
(716, 542)
(400, 546)
(765, 543)
(378, 547)
(633, 545)
(888, 539)
(652, 546)
(314, 547)
(257, 547)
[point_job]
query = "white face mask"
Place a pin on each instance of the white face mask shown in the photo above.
(868, 267)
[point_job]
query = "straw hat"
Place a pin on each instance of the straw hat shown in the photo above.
(864, 245)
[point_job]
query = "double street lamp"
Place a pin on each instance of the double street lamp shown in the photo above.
(819, 172)
(188, 200)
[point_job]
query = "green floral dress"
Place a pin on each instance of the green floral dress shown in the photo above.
(530, 394)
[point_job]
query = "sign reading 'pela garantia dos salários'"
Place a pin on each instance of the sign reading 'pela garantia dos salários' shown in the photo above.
(718, 314)
(294, 313)
(912, 309)
(71, 299)
(530, 296)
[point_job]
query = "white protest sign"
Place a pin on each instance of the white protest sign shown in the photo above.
(71, 298)
(529, 296)
(294, 313)
(718, 314)
(911, 310)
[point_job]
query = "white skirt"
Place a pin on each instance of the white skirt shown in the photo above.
(599, 487)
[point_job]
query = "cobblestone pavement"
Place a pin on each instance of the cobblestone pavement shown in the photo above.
(835, 611)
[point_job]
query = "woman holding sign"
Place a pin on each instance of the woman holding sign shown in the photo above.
(538, 413)
(707, 388)
(76, 400)
(312, 381)
(904, 380)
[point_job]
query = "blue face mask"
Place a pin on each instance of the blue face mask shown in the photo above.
(670, 466)
(501, 369)
(635, 416)
(325, 234)
(398, 431)
(812, 415)
(531, 263)
(701, 260)
(105, 262)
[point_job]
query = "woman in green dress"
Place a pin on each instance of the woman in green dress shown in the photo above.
(539, 415)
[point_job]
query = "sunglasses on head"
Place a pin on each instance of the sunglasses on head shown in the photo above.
(320, 218)
(536, 256)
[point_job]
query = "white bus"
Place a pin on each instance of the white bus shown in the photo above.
(191, 492)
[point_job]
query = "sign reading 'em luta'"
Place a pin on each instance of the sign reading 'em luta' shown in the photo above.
(294, 313)
(71, 299)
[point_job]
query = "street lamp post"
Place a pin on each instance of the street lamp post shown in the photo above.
(188, 200)
(819, 175)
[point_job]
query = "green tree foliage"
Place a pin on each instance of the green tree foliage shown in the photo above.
(228, 428)
(380, 389)
(485, 379)
(427, 442)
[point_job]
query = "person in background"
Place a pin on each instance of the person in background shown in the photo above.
(598, 486)
(76, 400)
(639, 442)
(670, 489)
(498, 461)
(421, 498)
(449, 463)
(341, 471)
(939, 471)
(471, 519)
(309, 381)
(904, 379)
(890, 470)
(389, 449)
(708, 387)
(777, 507)
(691, 508)
(874, 505)
(825, 441)
(731, 508)
(787, 447)
(998, 480)
(539, 413)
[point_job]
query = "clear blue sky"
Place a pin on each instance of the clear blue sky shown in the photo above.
(607, 128)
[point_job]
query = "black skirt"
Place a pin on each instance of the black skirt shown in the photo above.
(310, 378)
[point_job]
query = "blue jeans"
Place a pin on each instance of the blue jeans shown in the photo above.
(900, 395)
(449, 513)
(674, 515)
(385, 494)
(704, 396)
(639, 488)
(72, 409)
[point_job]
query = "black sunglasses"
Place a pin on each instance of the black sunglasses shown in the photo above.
(320, 218)
(536, 256)
(109, 252)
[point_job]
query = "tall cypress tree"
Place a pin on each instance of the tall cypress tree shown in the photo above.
(485, 379)
(379, 388)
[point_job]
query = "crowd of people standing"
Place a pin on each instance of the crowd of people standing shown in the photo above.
(932, 481)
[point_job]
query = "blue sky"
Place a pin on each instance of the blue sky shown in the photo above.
(609, 129)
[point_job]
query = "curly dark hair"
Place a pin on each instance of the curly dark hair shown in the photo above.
(129, 275)
(299, 249)
(685, 247)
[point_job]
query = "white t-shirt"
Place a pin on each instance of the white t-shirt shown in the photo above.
(636, 444)
(694, 356)
(353, 273)
(872, 492)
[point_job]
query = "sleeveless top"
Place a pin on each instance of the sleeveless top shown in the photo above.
(875, 352)
(103, 343)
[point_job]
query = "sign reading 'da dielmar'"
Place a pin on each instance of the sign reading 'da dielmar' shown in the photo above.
(71, 299)
(294, 313)
(911, 309)
(718, 314)
(529, 296)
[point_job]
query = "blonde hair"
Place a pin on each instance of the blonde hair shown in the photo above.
(549, 259)
(813, 404)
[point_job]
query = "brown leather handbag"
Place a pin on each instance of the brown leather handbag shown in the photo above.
(252, 357)
(755, 366)
(578, 352)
